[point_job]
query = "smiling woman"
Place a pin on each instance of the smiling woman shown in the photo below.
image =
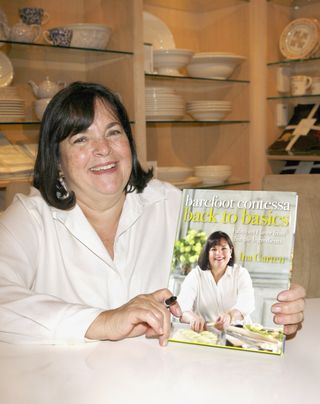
(87, 253)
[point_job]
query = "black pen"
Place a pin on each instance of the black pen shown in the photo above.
(170, 301)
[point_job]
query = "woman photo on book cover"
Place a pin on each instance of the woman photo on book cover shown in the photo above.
(217, 290)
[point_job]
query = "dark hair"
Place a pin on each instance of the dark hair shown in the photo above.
(69, 112)
(214, 239)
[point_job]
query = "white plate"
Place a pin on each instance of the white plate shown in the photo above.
(6, 70)
(300, 38)
(156, 32)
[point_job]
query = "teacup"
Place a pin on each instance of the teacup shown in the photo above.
(300, 84)
(33, 15)
(315, 87)
(58, 36)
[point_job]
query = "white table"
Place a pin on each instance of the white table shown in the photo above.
(140, 371)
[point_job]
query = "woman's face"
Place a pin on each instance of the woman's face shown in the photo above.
(219, 255)
(97, 162)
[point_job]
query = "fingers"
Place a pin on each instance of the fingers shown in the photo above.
(154, 314)
(294, 293)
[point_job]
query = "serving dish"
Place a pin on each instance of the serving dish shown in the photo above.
(169, 61)
(215, 65)
(92, 36)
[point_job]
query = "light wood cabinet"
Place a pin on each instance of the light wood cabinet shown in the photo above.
(251, 29)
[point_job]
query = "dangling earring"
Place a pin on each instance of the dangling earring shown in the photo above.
(62, 192)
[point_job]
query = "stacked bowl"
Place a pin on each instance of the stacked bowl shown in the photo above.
(208, 110)
(163, 104)
(213, 175)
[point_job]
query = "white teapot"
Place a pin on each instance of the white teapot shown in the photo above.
(21, 32)
(47, 88)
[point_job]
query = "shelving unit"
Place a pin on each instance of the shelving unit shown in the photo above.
(204, 26)
(280, 13)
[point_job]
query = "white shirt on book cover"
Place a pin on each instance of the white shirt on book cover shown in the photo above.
(201, 294)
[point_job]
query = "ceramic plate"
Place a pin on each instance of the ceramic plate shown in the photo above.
(156, 32)
(300, 38)
(6, 70)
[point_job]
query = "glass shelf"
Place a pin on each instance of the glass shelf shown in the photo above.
(301, 157)
(292, 61)
(34, 51)
(184, 122)
(296, 4)
(230, 183)
(216, 81)
(292, 97)
(195, 5)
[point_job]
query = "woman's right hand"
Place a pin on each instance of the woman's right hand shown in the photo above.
(143, 315)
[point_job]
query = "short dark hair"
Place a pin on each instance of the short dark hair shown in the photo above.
(212, 240)
(69, 112)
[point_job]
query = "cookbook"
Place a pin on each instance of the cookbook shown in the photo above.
(232, 256)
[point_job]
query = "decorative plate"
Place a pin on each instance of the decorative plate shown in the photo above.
(6, 70)
(156, 32)
(300, 38)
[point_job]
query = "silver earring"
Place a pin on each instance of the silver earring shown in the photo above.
(62, 192)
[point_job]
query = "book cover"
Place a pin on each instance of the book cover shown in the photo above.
(232, 256)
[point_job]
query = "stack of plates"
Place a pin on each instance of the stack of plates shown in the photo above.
(163, 104)
(300, 38)
(208, 110)
(213, 175)
(11, 105)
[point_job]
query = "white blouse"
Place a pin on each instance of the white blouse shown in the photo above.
(56, 275)
(201, 294)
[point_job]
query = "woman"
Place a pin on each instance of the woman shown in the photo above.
(85, 256)
(217, 290)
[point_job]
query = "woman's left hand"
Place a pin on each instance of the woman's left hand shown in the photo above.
(289, 310)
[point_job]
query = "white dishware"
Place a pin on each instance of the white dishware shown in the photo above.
(300, 38)
(40, 106)
(6, 70)
(282, 114)
(213, 64)
(92, 36)
(283, 79)
(169, 61)
(156, 32)
(300, 84)
(46, 88)
(213, 174)
(174, 174)
(315, 86)
(21, 32)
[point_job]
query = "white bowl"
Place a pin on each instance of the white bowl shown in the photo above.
(174, 174)
(208, 115)
(169, 61)
(93, 36)
(40, 106)
(212, 170)
(213, 65)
